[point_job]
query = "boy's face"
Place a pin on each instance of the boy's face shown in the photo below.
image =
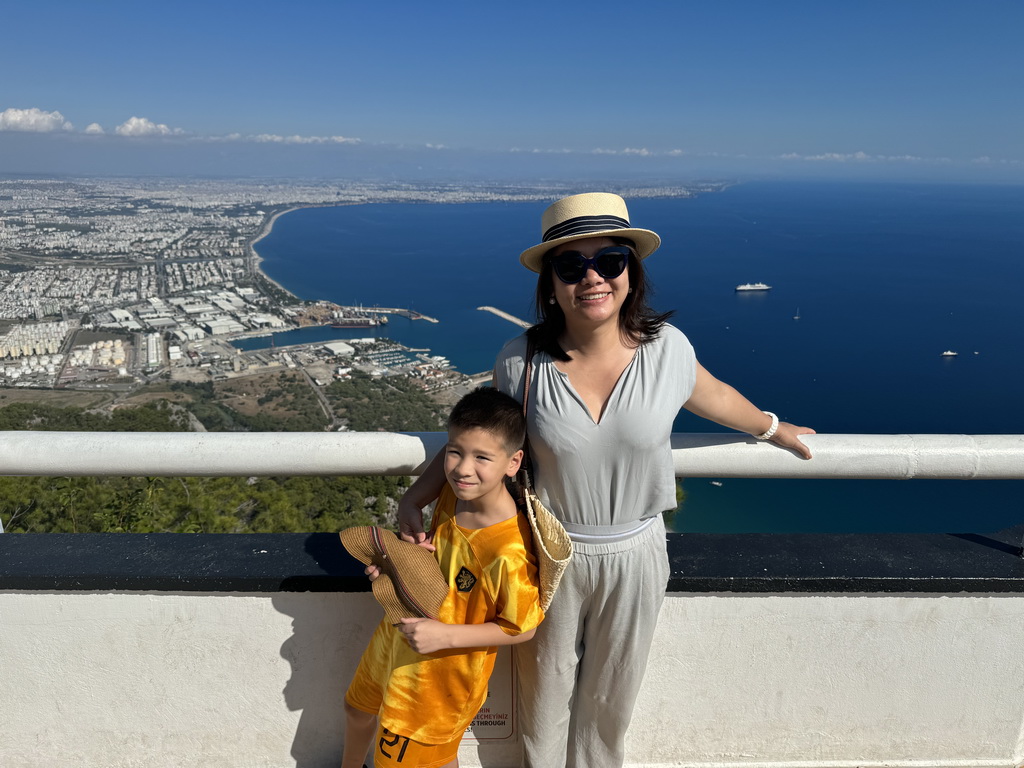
(476, 463)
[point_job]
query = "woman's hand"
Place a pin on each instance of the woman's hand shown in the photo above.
(372, 571)
(788, 436)
(715, 400)
(410, 524)
(425, 635)
(421, 493)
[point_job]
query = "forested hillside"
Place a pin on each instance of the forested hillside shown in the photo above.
(285, 402)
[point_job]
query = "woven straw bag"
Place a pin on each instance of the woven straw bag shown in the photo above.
(552, 544)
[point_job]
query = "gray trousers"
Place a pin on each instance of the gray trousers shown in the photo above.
(580, 675)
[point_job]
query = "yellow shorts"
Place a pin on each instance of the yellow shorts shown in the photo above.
(393, 751)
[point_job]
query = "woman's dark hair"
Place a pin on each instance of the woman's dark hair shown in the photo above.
(637, 321)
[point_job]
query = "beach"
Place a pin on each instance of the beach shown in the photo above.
(266, 228)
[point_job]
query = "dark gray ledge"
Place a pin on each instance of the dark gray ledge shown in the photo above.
(701, 563)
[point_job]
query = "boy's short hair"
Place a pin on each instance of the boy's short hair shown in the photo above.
(487, 408)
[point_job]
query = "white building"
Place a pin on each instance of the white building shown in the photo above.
(339, 349)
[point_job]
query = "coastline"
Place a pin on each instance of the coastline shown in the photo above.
(267, 227)
(254, 256)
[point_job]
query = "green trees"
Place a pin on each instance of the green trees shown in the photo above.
(288, 406)
(195, 504)
(216, 504)
(151, 417)
(392, 404)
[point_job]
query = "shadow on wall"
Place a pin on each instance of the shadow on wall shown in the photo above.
(329, 632)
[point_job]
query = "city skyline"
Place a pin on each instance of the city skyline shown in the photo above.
(907, 90)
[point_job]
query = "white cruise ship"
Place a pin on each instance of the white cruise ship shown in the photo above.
(753, 287)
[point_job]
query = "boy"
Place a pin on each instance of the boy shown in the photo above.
(425, 680)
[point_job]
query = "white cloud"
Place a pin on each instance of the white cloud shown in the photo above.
(224, 138)
(839, 157)
(626, 151)
(861, 157)
(538, 151)
(274, 138)
(35, 120)
(333, 140)
(140, 126)
(94, 128)
(832, 157)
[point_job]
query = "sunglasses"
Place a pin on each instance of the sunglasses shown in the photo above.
(609, 263)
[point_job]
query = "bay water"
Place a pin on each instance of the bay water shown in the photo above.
(870, 284)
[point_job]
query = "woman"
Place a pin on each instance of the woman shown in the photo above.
(609, 377)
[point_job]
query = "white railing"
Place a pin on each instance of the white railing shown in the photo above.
(891, 457)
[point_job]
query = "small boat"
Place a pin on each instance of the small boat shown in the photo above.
(950, 353)
(797, 315)
(717, 483)
(753, 287)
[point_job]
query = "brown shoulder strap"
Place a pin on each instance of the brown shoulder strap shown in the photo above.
(526, 468)
(527, 373)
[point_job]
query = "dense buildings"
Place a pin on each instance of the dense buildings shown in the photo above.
(110, 282)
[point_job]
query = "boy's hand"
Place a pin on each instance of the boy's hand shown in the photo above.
(424, 635)
(410, 524)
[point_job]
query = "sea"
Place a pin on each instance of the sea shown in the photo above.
(870, 284)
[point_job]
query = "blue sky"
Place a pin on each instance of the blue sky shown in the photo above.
(904, 89)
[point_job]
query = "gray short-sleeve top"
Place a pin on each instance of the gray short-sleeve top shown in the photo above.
(619, 470)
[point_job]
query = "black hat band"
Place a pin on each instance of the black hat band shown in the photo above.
(582, 225)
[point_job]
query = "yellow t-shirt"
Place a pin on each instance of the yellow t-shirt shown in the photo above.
(492, 576)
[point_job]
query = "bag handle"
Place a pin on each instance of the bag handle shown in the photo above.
(527, 374)
(526, 469)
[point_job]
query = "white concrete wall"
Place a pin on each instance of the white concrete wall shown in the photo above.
(835, 680)
(250, 681)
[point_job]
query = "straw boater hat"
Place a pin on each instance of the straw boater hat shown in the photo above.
(410, 584)
(594, 214)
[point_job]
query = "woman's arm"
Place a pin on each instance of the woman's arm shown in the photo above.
(429, 636)
(717, 401)
(422, 492)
